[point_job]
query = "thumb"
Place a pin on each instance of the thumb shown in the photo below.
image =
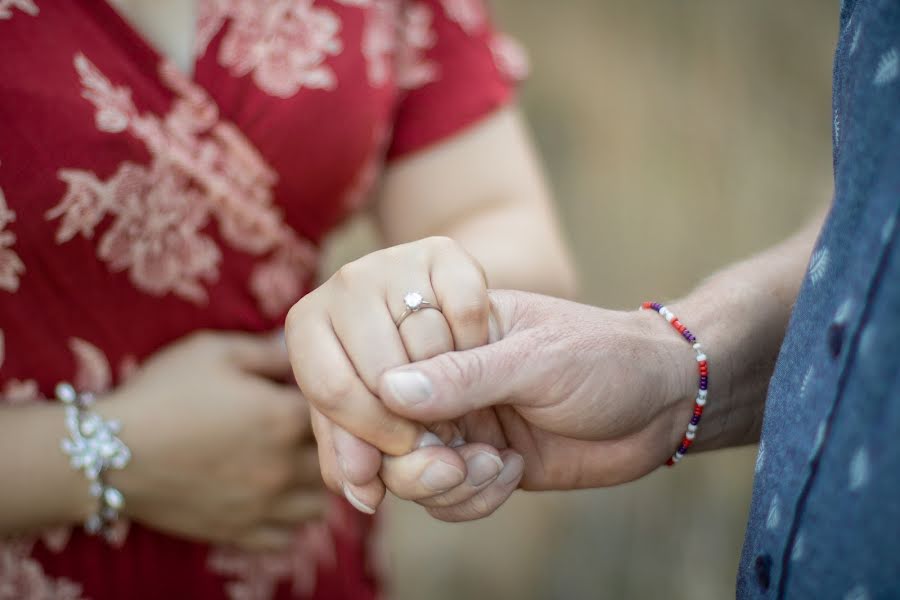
(454, 384)
(262, 354)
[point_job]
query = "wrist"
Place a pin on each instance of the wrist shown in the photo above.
(675, 376)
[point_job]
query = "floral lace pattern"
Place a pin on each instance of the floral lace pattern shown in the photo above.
(283, 45)
(470, 14)
(26, 6)
(257, 576)
(203, 169)
(417, 36)
(11, 266)
(510, 57)
(379, 40)
(23, 578)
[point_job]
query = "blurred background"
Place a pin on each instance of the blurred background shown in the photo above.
(678, 136)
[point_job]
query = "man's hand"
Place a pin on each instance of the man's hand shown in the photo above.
(588, 397)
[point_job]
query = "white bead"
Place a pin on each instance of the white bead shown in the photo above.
(697, 347)
(702, 394)
(690, 435)
(676, 458)
(94, 524)
(96, 489)
(692, 428)
(66, 393)
(700, 401)
(114, 498)
(670, 317)
(701, 357)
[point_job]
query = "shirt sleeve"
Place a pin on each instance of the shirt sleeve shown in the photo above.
(453, 69)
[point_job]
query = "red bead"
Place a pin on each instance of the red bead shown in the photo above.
(702, 363)
(687, 443)
(670, 462)
(647, 305)
(698, 410)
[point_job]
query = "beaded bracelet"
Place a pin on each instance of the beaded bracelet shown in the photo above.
(93, 447)
(703, 368)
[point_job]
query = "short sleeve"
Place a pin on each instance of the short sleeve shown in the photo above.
(453, 68)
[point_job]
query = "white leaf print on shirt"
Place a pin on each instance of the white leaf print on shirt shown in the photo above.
(26, 6)
(857, 593)
(888, 228)
(773, 519)
(819, 439)
(888, 67)
(855, 41)
(818, 265)
(760, 457)
(799, 548)
(859, 469)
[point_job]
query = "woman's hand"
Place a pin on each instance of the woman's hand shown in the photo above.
(343, 336)
(221, 445)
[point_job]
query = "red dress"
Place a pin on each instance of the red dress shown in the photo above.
(138, 205)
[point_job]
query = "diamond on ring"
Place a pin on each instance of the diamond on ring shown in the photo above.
(413, 300)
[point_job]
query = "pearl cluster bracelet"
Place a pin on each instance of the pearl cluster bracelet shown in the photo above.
(703, 368)
(93, 447)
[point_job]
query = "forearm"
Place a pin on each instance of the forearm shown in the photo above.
(740, 316)
(519, 250)
(39, 488)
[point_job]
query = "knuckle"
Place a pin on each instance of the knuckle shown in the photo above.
(442, 243)
(329, 393)
(352, 273)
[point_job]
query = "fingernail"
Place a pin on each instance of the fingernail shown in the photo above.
(356, 502)
(512, 469)
(441, 476)
(483, 467)
(409, 387)
(429, 439)
(457, 442)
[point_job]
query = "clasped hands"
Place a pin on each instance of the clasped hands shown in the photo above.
(456, 409)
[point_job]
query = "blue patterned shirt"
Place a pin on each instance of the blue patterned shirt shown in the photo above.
(825, 516)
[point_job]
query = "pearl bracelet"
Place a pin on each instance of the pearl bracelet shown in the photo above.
(703, 385)
(92, 447)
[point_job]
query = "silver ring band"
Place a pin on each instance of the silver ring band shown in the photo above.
(414, 302)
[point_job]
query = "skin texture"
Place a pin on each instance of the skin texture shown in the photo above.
(590, 397)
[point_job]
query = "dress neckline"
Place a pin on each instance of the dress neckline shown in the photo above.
(133, 39)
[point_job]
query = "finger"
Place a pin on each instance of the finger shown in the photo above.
(263, 354)
(423, 473)
(461, 290)
(268, 538)
(486, 501)
(297, 507)
(365, 497)
(359, 461)
(330, 382)
(483, 466)
(454, 384)
(426, 334)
